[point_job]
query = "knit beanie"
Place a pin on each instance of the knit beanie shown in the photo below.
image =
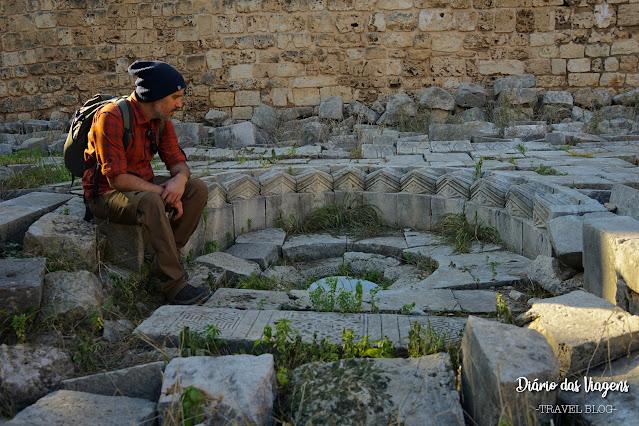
(155, 80)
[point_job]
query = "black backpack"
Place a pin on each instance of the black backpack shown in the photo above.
(77, 139)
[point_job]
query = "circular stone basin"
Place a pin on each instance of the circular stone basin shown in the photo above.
(346, 283)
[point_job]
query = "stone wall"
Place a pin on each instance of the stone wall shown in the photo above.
(237, 54)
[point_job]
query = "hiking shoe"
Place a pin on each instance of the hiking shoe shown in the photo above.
(190, 295)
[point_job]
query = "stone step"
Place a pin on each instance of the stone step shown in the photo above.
(17, 214)
(242, 328)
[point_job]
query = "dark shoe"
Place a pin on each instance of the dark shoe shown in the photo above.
(190, 295)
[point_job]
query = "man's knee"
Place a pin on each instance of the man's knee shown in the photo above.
(151, 207)
(197, 189)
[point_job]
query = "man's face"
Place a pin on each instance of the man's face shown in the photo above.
(165, 107)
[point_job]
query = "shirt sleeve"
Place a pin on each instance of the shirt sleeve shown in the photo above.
(108, 132)
(168, 149)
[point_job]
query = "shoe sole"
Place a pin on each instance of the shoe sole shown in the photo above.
(201, 298)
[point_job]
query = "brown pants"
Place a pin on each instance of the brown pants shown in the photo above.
(166, 237)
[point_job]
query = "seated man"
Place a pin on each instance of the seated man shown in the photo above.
(127, 191)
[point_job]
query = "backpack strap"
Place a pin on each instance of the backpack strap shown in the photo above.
(127, 118)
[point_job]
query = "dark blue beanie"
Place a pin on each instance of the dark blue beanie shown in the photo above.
(155, 80)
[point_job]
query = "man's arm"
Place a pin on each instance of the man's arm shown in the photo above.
(127, 182)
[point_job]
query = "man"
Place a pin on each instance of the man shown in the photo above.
(127, 190)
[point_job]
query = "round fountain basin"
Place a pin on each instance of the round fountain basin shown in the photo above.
(345, 283)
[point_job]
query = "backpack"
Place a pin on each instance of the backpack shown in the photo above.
(77, 139)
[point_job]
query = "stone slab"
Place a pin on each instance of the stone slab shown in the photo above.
(141, 381)
(270, 235)
(239, 389)
(234, 267)
(243, 327)
(69, 407)
(476, 301)
(17, 214)
(387, 246)
(495, 356)
(626, 199)
(21, 283)
(416, 391)
(264, 254)
(417, 239)
(237, 298)
(597, 331)
(426, 300)
(313, 247)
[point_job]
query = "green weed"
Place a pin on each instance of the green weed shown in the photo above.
(360, 220)
(503, 310)
(353, 347)
(207, 343)
(255, 282)
(42, 171)
(418, 123)
(459, 233)
(545, 170)
(325, 300)
(210, 247)
(428, 341)
(192, 400)
(406, 309)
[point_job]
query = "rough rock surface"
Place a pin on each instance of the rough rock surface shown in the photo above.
(419, 391)
(70, 296)
(547, 272)
(21, 282)
(238, 388)
(30, 372)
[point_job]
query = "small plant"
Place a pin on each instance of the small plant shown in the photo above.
(424, 263)
(205, 215)
(503, 310)
(458, 232)
(418, 123)
(521, 148)
(12, 250)
(66, 211)
(192, 400)
(545, 170)
(325, 300)
(85, 350)
(493, 267)
(352, 348)
(254, 282)
(249, 224)
(96, 320)
(208, 343)
(477, 172)
(229, 239)
(211, 247)
(19, 325)
(355, 153)
(347, 217)
(407, 309)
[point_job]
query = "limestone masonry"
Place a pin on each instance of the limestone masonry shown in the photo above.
(237, 54)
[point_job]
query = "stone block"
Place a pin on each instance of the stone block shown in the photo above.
(609, 252)
(240, 388)
(55, 234)
(413, 211)
(29, 372)
(126, 243)
(17, 214)
(440, 206)
(235, 136)
(189, 134)
(497, 358)
(535, 241)
(234, 267)
(626, 199)
(140, 381)
(266, 236)
(263, 254)
(249, 215)
(282, 210)
(314, 247)
(80, 406)
(70, 296)
(332, 108)
(21, 282)
(598, 332)
(219, 225)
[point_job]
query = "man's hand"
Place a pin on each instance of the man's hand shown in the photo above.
(178, 210)
(174, 189)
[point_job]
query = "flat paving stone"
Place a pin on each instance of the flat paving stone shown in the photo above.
(419, 239)
(17, 214)
(238, 298)
(447, 277)
(66, 407)
(269, 236)
(426, 300)
(244, 327)
(476, 301)
(360, 262)
(263, 254)
(313, 247)
(234, 267)
(387, 246)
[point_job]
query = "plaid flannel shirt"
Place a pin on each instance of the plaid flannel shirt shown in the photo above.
(105, 144)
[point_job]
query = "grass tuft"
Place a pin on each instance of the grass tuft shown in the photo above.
(460, 233)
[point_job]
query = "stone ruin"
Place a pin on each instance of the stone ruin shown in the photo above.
(561, 192)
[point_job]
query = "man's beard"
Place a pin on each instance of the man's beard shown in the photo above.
(160, 114)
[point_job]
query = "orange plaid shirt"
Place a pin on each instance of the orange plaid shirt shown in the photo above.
(105, 144)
